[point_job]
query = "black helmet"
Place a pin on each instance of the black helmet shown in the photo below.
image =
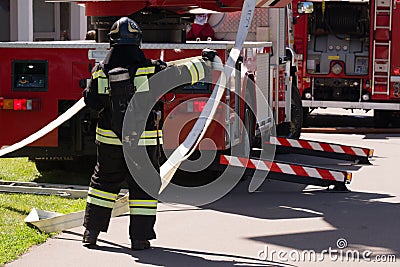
(125, 31)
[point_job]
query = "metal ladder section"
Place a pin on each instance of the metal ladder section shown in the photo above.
(382, 47)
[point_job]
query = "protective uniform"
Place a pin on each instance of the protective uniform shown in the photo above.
(111, 169)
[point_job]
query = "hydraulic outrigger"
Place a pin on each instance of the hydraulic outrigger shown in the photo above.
(290, 171)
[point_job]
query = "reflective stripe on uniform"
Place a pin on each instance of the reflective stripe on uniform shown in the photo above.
(199, 67)
(149, 142)
(143, 203)
(149, 138)
(102, 86)
(141, 84)
(119, 77)
(196, 70)
(108, 140)
(102, 81)
(151, 134)
(107, 133)
(145, 70)
(103, 194)
(101, 198)
(193, 72)
(143, 207)
(100, 202)
(107, 137)
(98, 74)
(142, 211)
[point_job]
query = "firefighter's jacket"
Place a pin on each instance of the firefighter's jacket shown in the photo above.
(97, 97)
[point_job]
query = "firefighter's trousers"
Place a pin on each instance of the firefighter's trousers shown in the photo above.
(110, 172)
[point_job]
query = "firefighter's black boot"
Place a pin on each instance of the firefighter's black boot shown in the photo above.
(140, 244)
(90, 237)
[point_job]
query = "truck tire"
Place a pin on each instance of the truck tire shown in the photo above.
(247, 138)
(45, 165)
(381, 118)
(80, 164)
(293, 128)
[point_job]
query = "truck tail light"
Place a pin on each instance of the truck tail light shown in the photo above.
(396, 71)
(19, 104)
(197, 105)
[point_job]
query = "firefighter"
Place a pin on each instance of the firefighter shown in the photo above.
(111, 170)
(109, 92)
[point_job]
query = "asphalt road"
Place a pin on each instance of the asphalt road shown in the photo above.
(271, 227)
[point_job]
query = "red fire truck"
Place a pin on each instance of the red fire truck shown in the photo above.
(347, 55)
(40, 80)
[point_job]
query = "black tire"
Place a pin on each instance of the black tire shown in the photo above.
(45, 165)
(81, 164)
(247, 138)
(293, 128)
(381, 118)
(306, 115)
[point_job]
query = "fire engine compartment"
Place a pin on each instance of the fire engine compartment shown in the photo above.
(338, 33)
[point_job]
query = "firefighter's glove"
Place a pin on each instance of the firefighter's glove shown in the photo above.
(160, 63)
(208, 54)
(211, 56)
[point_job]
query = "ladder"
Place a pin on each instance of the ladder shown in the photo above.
(382, 47)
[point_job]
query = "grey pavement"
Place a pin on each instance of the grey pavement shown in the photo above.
(274, 226)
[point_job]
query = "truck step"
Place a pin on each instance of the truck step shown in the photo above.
(322, 149)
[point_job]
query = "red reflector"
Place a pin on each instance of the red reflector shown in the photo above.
(198, 106)
(396, 71)
(19, 104)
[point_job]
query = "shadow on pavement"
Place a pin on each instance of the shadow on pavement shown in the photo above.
(363, 219)
(171, 257)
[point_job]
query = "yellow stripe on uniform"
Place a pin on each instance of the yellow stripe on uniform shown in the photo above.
(100, 202)
(151, 134)
(143, 203)
(107, 137)
(199, 67)
(98, 74)
(108, 133)
(146, 70)
(108, 140)
(102, 194)
(193, 71)
(141, 211)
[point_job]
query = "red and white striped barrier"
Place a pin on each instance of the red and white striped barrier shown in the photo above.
(321, 146)
(284, 168)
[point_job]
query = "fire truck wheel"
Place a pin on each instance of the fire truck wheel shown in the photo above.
(293, 129)
(81, 164)
(381, 118)
(248, 127)
(306, 114)
(45, 165)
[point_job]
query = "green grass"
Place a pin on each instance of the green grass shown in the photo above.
(16, 237)
(18, 169)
